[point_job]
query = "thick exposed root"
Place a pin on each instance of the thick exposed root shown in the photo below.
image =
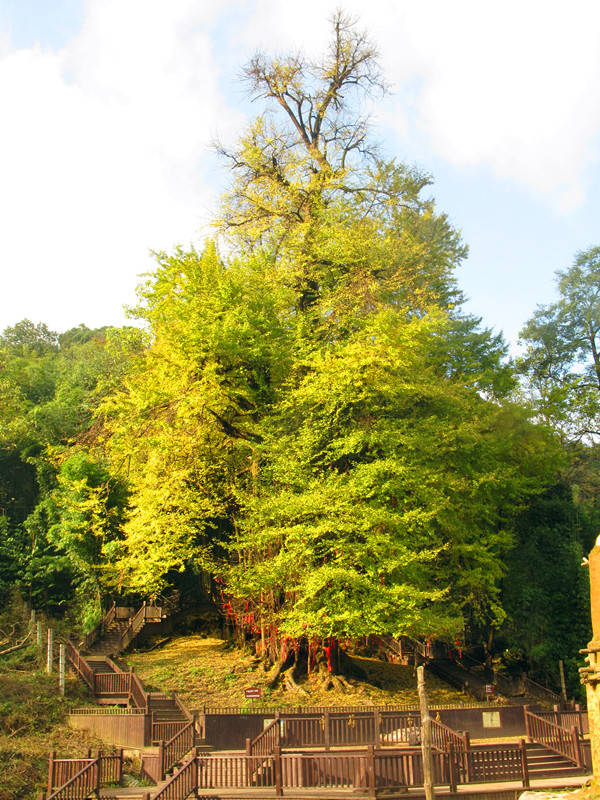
(290, 683)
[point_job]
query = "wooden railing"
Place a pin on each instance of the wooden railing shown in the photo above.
(554, 737)
(62, 770)
(112, 683)
(400, 728)
(182, 784)
(360, 728)
(163, 731)
(308, 731)
(489, 764)
(363, 772)
(81, 785)
(138, 696)
(444, 738)
(79, 665)
(174, 750)
(184, 710)
(567, 719)
(146, 613)
(265, 743)
(106, 711)
(392, 707)
(536, 689)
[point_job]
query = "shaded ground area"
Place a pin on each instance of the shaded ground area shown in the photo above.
(206, 672)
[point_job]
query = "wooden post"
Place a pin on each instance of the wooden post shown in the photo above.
(371, 786)
(576, 745)
(580, 716)
(51, 771)
(563, 685)
(50, 651)
(556, 710)
(425, 736)
(377, 727)
(61, 668)
(524, 767)
(452, 768)
(148, 718)
(38, 633)
(278, 776)
(527, 725)
(161, 758)
(248, 746)
(32, 618)
(468, 758)
(327, 729)
(120, 764)
(97, 787)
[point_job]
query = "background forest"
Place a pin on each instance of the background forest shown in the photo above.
(304, 427)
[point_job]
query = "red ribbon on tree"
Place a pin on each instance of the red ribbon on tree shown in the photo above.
(328, 654)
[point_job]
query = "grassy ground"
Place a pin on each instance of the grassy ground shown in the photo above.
(206, 672)
(33, 722)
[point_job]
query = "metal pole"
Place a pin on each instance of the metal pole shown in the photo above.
(50, 652)
(425, 736)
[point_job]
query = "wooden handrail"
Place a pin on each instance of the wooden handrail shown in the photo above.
(87, 780)
(179, 744)
(79, 665)
(266, 741)
(554, 737)
(182, 783)
(442, 736)
(61, 770)
(137, 694)
(184, 710)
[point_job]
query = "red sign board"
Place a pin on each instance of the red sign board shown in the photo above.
(252, 693)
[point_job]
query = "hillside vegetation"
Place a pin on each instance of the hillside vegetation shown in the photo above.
(33, 722)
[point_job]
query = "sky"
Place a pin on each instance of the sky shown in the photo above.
(110, 109)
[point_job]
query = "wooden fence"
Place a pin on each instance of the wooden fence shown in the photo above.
(257, 708)
(82, 784)
(327, 730)
(128, 727)
(62, 770)
(364, 772)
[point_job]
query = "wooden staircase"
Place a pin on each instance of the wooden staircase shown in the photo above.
(118, 628)
(545, 763)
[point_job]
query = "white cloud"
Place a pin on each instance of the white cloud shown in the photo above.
(104, 144)
(101, 152)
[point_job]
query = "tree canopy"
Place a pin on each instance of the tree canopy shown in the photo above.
(562, 359)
